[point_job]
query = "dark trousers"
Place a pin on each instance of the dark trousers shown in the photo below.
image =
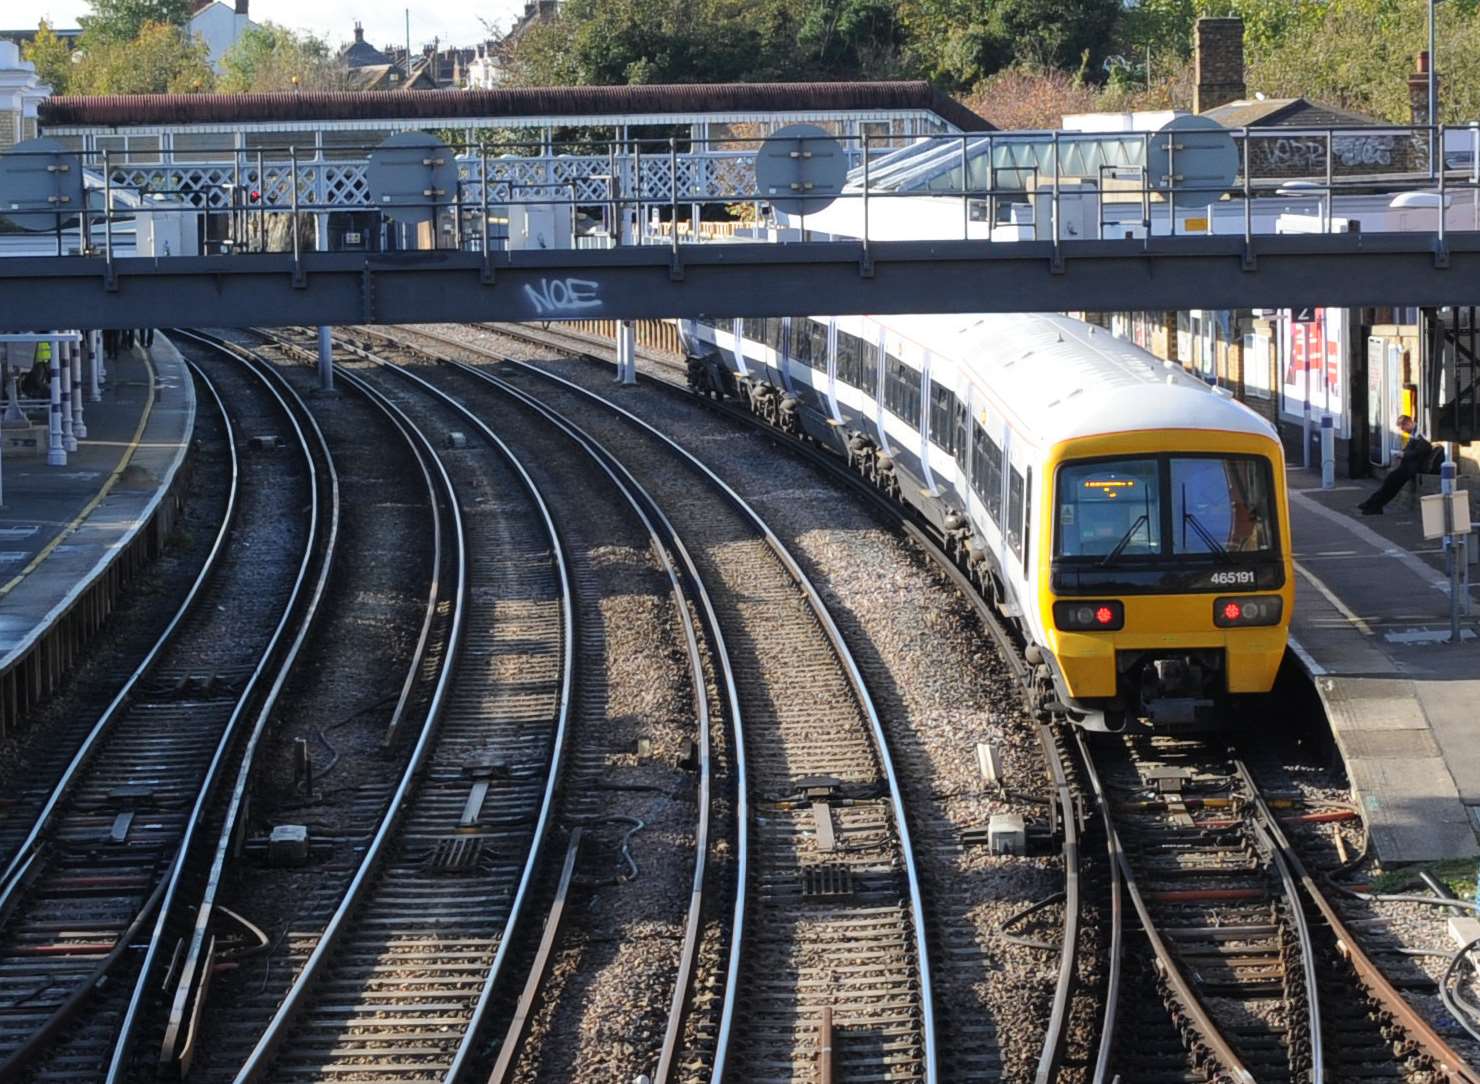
(1395, 480)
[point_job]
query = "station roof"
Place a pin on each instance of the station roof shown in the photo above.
(620, 103)
(1285, 113)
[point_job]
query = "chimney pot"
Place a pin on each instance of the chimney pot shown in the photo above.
(241, 6)
(359, 31)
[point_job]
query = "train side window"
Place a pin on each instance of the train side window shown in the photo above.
(943, 417)
(1015, 501)
(753, 328)
(902, 390)
(849, 348)
(801, 341)
(986, 473)
(773, 333)
(869, 368)
(817, 333)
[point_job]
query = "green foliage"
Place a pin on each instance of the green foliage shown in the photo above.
(162, 59)
(269, 57)
(118, 21)
(52, 57)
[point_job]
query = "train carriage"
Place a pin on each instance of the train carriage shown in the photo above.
(1130, 520)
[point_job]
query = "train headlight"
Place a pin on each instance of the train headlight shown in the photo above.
(1237, 613)
(1091, 616)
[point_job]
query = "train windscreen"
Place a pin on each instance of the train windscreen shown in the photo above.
(1154, 507)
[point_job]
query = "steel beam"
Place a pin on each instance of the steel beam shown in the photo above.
(718, 280)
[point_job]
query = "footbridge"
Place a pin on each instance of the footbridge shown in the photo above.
(721, 201)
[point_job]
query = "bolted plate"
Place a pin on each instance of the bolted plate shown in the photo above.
(410, 175)
(42, 177)
(1202, 154)
(800, 169)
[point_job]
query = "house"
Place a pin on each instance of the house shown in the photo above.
(219, 25)
(20, 93)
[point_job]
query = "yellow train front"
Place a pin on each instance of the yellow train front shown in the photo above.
(1166, 589)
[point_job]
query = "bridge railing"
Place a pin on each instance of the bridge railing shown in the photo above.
(994, 186)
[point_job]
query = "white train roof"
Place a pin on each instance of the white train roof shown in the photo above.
(1061, 378)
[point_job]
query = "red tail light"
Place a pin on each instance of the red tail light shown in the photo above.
(1092, 615)
(1237, 613)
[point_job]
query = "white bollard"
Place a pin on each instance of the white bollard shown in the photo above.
(1328, 452)
(1305, 438)
(94, 364)
(56, 451)
(59, 353)
(626, 352)
(79, 425)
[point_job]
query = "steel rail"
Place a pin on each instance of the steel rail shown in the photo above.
(162, 898)
(918, 530)
(258, 1062)
(524, 888)
(1447, 1060)
(653, 518)
(865, 702)
(321, 538)
(177, 1047)
(27, 853)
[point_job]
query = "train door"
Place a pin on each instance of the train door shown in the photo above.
(832, 373)
(783, 354)
(738, 330)
(923, 423)
(879, 425)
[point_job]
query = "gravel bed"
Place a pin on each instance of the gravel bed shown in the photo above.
(604, 1004)
(34, 754)
(940, 689)
(339, 698)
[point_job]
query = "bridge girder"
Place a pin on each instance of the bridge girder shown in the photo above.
(723, 280)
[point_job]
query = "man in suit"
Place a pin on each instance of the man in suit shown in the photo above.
(1414, 458)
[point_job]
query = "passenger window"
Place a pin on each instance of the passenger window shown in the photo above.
(943, 418)
(847, 349)
(1027, 518)
(986, 472)
(754, 329)
(818, 334)
(800, 347)
(869, 368)
(773, 334)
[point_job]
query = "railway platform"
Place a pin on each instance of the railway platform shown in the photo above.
(71, 536)
(1371, 628)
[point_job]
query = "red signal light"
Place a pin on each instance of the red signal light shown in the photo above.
(1104, 615)
(256, 196)
(1231, 611)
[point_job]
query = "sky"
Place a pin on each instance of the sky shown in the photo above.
(453, 21)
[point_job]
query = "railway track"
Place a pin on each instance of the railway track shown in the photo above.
(1295, 998)
(828, 956)
(93, 892)
(401, 979)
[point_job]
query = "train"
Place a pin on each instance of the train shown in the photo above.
(1128, 521)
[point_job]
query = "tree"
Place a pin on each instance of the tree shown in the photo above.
(52, 57)
(271, 57)
(960, 42)
(162, 59)
(123, 20)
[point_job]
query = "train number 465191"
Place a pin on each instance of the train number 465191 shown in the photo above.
(1242, 575)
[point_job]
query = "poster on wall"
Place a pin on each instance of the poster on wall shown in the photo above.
(1313, 349)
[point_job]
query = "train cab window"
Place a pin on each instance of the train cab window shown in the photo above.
(1015, 508)
(901, 390)
(1220, 505)
(943, 408)
(986, 472)
(1109, 507)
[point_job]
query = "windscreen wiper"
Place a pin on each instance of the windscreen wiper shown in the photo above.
(1125, 540)
(1206, 535)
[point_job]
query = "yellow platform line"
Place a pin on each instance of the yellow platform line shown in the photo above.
(88, 508)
